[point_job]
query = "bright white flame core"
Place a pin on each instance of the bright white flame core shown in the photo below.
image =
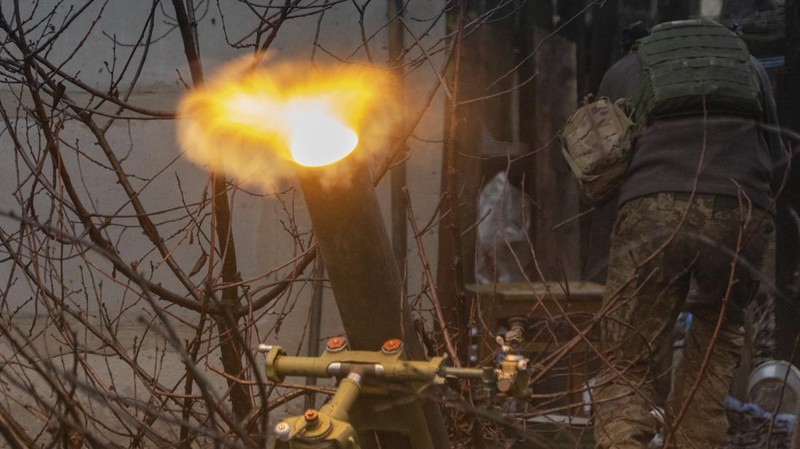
(316, 137)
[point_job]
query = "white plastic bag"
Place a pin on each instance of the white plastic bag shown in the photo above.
(503, 253)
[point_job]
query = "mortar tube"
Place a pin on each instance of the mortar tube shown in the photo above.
(358, 256)
(361, 266)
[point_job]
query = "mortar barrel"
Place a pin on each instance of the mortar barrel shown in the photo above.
(355, 248)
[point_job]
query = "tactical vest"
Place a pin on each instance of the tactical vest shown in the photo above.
(692, 67)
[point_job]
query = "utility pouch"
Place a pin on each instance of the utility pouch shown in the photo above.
(597, 144)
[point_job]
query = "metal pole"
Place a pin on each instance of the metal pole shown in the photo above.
(315, 321)
(399, 223)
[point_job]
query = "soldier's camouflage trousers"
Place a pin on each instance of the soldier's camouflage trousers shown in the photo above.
(659, 243)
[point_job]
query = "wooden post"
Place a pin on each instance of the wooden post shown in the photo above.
(787, 327)
(556, 199)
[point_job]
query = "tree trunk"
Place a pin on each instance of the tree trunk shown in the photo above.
(460, 179)
(555, 195)
(399, 228)
(230, 342)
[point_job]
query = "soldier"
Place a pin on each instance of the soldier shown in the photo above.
(697, 204)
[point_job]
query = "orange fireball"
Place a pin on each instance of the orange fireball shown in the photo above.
(258, 124)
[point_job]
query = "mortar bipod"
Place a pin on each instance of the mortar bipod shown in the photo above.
(354, 409)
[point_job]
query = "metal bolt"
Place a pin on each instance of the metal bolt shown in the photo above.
(392, 346)
(311, 415)
(312, 418)
(336, 344)
(263, 347)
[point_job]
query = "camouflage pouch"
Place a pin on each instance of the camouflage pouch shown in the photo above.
(597, 144)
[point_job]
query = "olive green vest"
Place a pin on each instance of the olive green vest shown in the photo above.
(692, 67)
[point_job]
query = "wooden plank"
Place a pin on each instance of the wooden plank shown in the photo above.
(557, 202)
(537, 299)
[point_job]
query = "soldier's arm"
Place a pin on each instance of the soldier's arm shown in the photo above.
(771, 128)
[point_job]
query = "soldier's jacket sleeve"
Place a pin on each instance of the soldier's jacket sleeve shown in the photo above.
(622, 79)
(772, 134)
